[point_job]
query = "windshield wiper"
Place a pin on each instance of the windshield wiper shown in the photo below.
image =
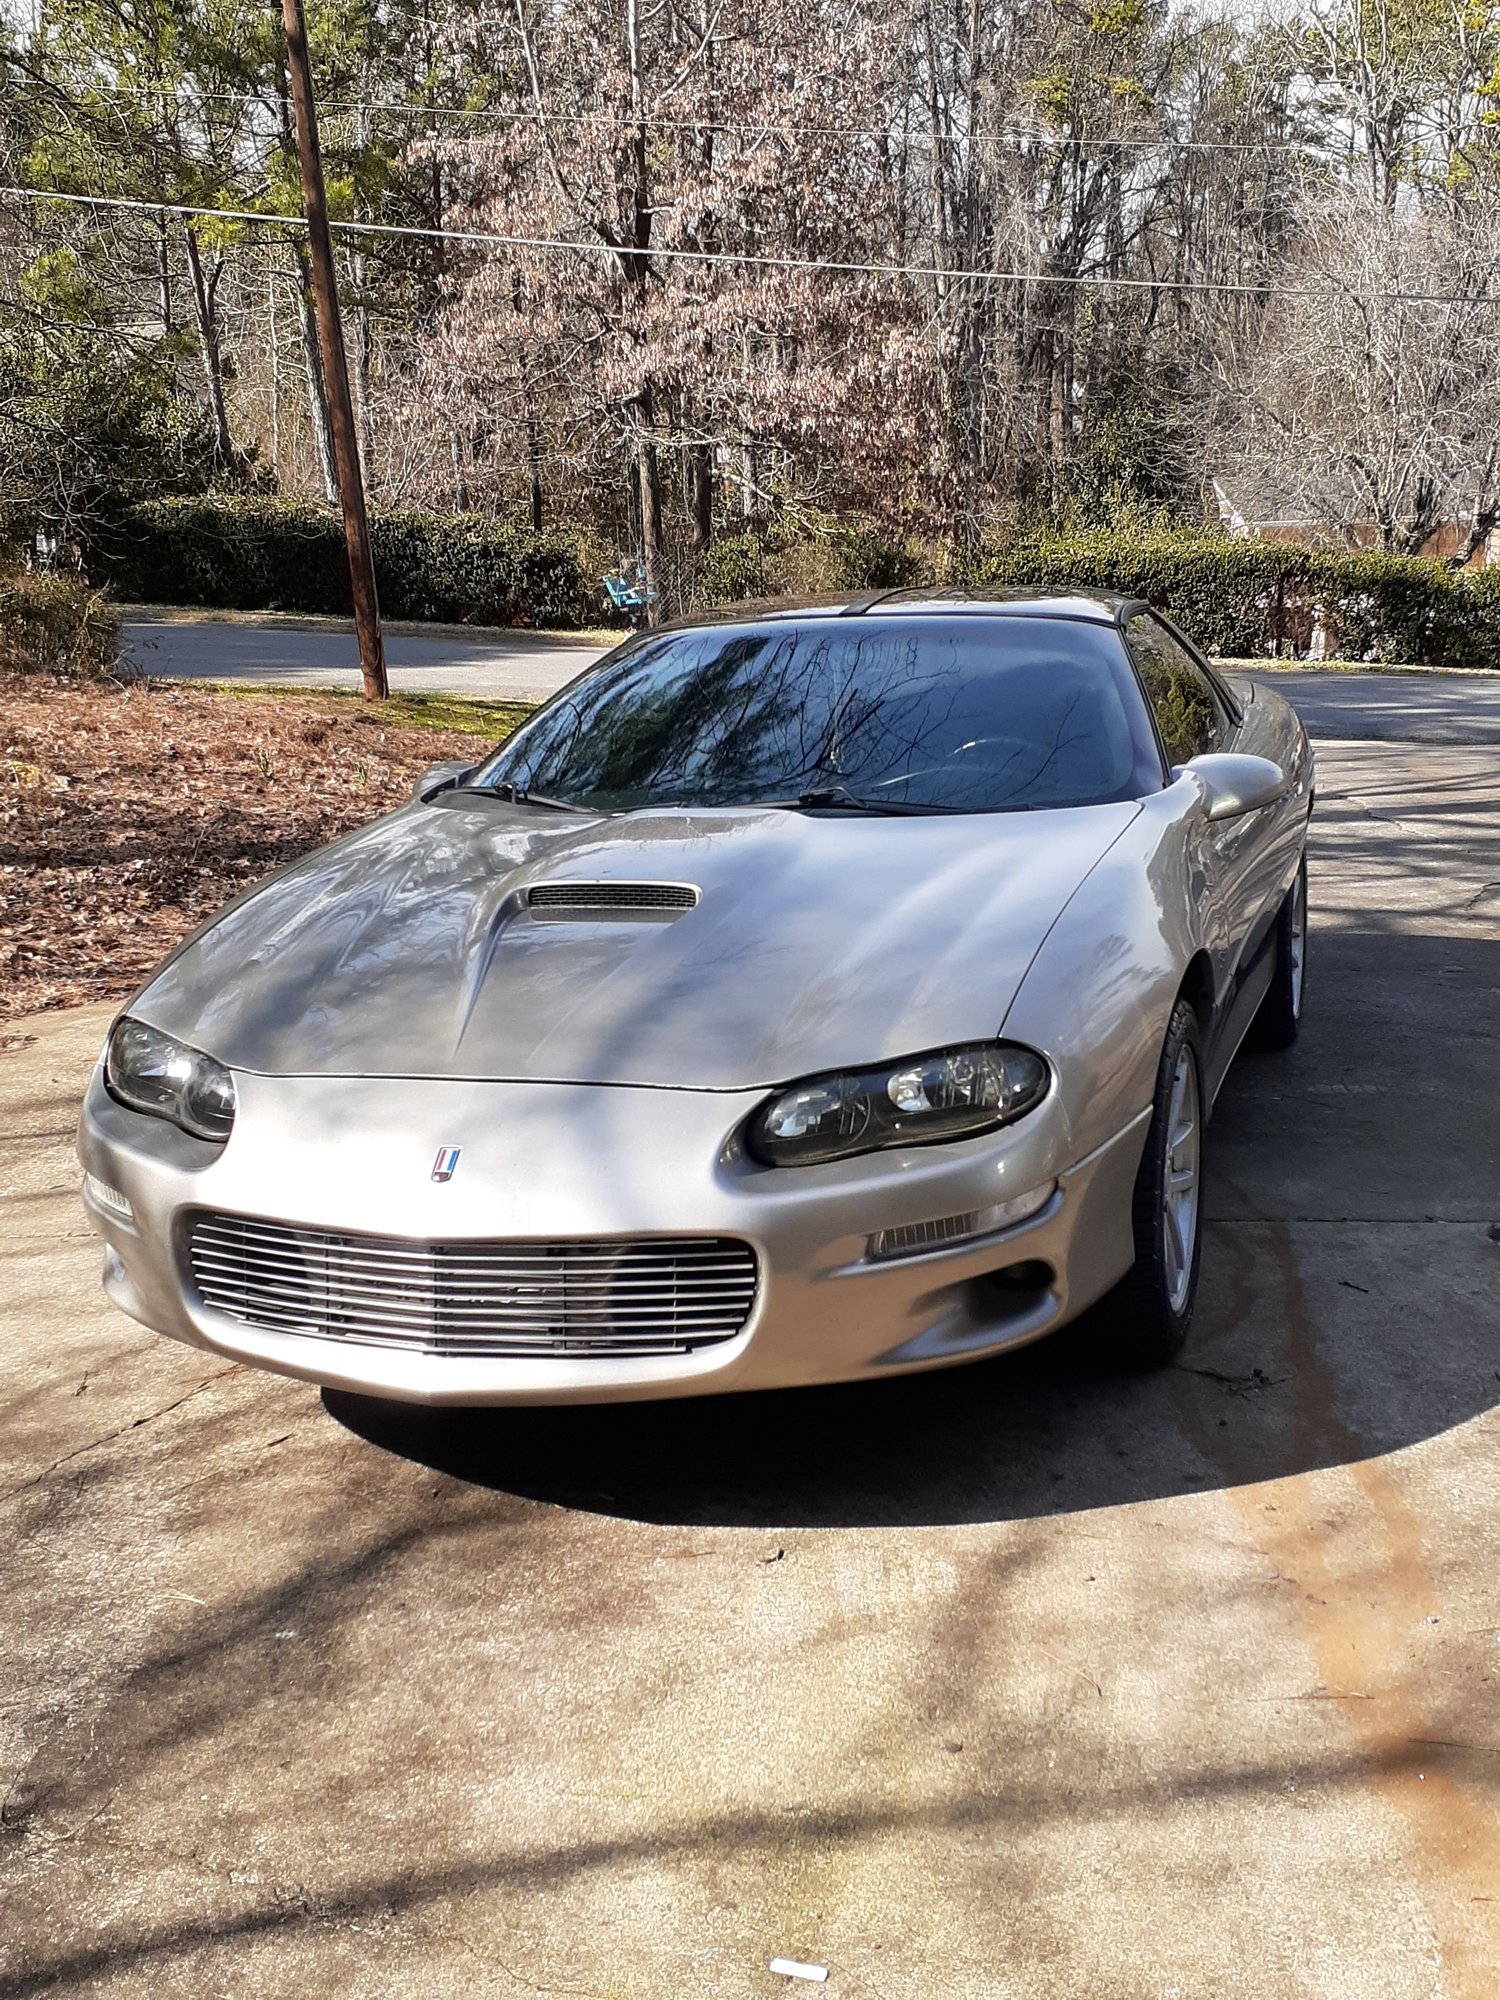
(517, 795)
(846, 801)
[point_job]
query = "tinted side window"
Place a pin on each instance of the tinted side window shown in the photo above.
(1187, 710)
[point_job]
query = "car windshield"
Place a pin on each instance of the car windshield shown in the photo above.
(958, 713)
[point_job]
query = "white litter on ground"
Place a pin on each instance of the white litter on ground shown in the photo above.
(792, 1968)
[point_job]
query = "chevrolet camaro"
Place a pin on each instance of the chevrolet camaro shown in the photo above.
(806, 993)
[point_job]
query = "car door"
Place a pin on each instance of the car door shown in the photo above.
(1195, 716)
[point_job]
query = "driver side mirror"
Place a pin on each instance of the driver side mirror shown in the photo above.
(440, 778)
(1235, 785)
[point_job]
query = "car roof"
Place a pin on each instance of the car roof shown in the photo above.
(1095, 607)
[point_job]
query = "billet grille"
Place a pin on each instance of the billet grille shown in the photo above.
(639, 1296)
(557, 898)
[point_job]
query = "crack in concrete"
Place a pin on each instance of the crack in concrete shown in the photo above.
(1241, 1385)
(121, 1430)
(1415, 827)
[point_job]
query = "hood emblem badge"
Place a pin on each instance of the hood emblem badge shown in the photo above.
(446, 1164)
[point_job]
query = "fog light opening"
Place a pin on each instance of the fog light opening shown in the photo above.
(1031, 1276)
(916, 1239)
(107, 1197)
(1013, 1291)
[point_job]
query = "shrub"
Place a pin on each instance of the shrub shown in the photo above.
(466, 569)
(730, 569)
(1479, 645)
(56, 625)
(780, 563)
(255, 554)
(860, 558)
(1251, 599)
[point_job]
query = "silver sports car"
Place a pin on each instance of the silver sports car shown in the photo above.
(805, 993)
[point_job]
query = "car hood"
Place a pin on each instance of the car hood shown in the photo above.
(816, 941)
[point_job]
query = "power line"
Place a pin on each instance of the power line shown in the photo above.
(759, 127)
(744, 259)
(763, 127)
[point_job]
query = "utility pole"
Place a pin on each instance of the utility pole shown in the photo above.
(335, 364)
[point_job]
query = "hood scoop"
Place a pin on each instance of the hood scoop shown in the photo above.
(596, 902)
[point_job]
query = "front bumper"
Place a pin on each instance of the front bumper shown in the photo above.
(561, 1161)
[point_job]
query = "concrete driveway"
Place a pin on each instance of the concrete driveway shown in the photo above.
(1022, 1682)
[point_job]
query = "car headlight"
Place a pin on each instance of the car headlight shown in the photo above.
(950, 1094)
(151, 1072)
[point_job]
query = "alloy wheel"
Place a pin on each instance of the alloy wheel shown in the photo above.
(1180, 1180)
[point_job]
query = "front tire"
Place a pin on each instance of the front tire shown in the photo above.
(1154, 1304)
(1280, 1016)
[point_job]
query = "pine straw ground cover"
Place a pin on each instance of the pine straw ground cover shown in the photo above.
(130, 814)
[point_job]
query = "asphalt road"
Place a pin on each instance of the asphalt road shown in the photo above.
(522, 665)
(1022, 1682)
(1419, 708)
(1393, 708)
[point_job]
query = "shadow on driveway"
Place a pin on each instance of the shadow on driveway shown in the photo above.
(1349, 1302)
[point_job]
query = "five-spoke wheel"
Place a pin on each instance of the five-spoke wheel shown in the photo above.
(1154, 1304)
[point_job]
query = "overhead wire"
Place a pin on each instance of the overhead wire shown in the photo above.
(529, 114)
(743, 259)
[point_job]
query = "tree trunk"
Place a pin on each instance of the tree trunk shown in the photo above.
(362, 350)
(163, 274)
(533, 465)
(460, 477)
(700, 471)
(275, 374)
(976, 300)
(364, 417)
(312, 352)
(1057, 414)
(317, 388)
(749, 475)
(648, 472)
(1486, 514)
(533, 422)
(437, 269)
(208, 341)
(1481, 528)
(648, 481)
(749, 484)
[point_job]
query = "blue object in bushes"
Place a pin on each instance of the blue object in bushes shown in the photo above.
(627, 591)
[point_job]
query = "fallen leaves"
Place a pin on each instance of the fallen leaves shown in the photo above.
(127, 817)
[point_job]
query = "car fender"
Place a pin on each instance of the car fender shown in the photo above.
(1097, 997)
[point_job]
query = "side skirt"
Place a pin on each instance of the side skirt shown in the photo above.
(1252, 989)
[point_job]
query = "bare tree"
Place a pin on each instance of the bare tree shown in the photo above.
(1368, 396)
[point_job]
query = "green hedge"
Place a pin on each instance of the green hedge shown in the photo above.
(1237, 599)
(1250, 599)
(56, 625)
(287, 555)
(1480, 644)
